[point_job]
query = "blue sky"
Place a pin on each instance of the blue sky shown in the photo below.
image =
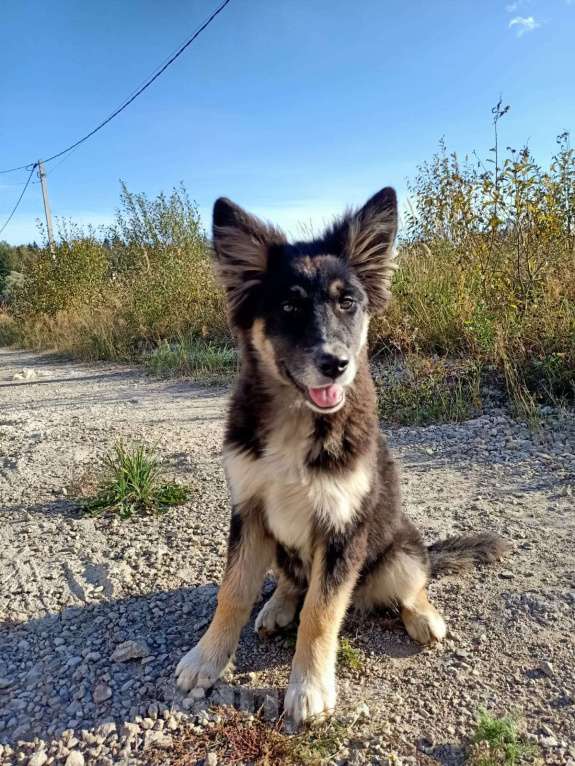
(293, 108)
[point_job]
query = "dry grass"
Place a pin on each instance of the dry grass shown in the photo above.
(241, 739)
(487, 279)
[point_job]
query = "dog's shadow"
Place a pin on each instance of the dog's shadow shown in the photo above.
(380, 632)
(64, 660)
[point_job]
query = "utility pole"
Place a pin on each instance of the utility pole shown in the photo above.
(44, 184)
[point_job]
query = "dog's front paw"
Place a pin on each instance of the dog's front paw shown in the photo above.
(197, 668)
(275, 614)
(310, 698)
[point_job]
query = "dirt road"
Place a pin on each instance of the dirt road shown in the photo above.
(72, 589)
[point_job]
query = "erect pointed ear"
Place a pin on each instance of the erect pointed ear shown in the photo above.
(366, 239)
(241, 243)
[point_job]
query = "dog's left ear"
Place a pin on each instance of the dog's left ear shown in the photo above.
(242, 243)
(366, 239)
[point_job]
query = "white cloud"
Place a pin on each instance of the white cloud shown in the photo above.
(516, 5)
(523, 24)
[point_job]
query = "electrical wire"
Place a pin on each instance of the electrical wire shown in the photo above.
(133, 96)
(16, 206)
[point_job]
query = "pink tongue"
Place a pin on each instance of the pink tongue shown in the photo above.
(326, 396)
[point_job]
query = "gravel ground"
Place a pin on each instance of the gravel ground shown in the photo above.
(74, 590)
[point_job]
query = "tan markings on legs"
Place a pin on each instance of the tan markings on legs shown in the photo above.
(245, 571)
(312, 687)
(279, 610)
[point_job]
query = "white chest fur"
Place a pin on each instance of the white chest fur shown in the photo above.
(293, 497)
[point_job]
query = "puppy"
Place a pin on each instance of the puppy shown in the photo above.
(314, 488)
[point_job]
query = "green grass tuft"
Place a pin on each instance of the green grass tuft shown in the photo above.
(430, 390)
(131, 483)
(497, 742)
(348, 656)
(193, 357)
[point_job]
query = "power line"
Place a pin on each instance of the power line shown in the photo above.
(134, 96)
(15, 208)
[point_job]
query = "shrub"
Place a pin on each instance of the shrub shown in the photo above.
(113, 292)
(487, 279)
(487, 267)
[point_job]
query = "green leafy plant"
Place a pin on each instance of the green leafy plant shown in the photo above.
(131, 483)
(497, 742)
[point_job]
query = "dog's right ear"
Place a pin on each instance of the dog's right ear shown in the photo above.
(241, 244)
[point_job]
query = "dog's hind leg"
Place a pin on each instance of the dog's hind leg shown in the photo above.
(422, 620)
(400, 581)
(250, 553)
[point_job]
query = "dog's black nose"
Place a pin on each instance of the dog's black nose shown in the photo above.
(332, 366)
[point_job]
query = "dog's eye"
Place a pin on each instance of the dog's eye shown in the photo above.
(346, 304)
(289, 308)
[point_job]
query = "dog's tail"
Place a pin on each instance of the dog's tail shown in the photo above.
(456, 554)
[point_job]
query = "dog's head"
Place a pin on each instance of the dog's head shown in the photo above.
(305, 306)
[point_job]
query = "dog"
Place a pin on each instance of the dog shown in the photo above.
(314, 488)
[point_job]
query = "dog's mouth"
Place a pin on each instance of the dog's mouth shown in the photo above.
(327, 397)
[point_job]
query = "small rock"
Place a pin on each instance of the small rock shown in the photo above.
(106, 729)
(101, 693)
(75, 759)
(198, 693)
(506, 574)
(130, 729)
(547, 668)
(157, 739)
(5, 683)
(130, 650)
(38, 759)
(548, 742)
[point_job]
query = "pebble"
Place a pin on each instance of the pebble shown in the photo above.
(101, 693)
(547, 668)
(130, 650)
(75, 758)
(548, 742)
(211, 759)
(130, 729)
(38, 759)
(157, 739)
(197, 694)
